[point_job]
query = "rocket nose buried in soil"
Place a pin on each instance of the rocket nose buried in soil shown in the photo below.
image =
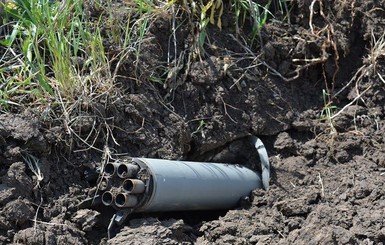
(165, 185)
(157, 185)
(197, 186)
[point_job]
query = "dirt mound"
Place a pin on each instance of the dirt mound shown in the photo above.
(313, 92)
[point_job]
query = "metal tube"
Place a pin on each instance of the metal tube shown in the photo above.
(124, 200)
(181, 185)
(110, 169)
(108, 198)
(164, 185)
(134, 186)
(265, 164)
(127, 170)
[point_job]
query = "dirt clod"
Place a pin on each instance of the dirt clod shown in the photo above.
(153, 231)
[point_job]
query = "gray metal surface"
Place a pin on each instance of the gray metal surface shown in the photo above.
(265, 164)
(182, 185)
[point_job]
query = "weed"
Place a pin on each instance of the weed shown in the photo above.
(40, 50)
(328, 111)
(211, 11)
(259, 15)
(375, 53)
(33, 164)
(200, 128)
(53, 55)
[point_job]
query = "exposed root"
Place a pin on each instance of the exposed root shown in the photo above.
(366, 70)
(225, 105)
(322, 185)
(350, 103)
(37, 212)
(33, 164)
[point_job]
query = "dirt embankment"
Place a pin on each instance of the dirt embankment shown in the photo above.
(327, 148)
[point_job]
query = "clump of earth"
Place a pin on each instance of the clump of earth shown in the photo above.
(313, 92)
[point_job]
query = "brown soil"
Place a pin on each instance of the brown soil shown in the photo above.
(328, 183)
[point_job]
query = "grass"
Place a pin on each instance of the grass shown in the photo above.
(211, 12)
(328, 111)
(61, 56)
(54, 57)
(51, 47)
(259, 15)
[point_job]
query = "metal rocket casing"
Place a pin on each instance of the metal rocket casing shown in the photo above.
(183, 185)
